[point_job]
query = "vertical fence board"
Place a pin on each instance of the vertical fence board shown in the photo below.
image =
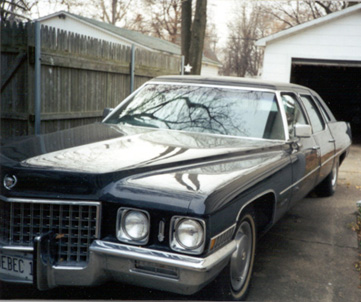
(80, 76)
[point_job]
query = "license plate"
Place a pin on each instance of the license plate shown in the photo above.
(18, 265)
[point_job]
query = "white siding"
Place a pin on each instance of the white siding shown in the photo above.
(209, 70)
(339, 39)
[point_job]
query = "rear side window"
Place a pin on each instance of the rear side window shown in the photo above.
(313, 113)
(293, 111)
(325, 114)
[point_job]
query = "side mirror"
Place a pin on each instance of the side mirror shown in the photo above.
(302, 130)
(106, 112)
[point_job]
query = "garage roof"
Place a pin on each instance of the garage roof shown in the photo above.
(316, 22)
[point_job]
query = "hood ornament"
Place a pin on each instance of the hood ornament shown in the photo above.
(10, 181)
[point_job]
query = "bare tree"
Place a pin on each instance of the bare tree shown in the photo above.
(193, 33)
(186, 29)
(113, 11)
(257, 20)
(109, 11)
(159, 18)
(72, 6)
(12, 10)
(242, 56)
(291, 13)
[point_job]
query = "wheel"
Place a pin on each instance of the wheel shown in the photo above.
(328, 186)
(241, 264)
(233, 283)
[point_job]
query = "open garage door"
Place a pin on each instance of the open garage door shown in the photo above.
(338, 83)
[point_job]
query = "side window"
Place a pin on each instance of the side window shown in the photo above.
(325, 114)
(293, 110)
(314, 114)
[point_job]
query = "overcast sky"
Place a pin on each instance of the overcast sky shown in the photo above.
(220, 12)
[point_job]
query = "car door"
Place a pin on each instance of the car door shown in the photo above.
(335, 127)
(325, 143)
(304, 158)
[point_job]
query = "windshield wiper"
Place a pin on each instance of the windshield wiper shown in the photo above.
(135, 122)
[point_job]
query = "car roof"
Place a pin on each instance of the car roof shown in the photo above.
(232, 81)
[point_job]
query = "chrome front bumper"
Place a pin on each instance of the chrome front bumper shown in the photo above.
(129, 264)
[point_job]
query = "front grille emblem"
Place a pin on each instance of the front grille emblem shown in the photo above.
(10, 181)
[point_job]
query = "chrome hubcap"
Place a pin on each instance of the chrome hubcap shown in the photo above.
(241, 257)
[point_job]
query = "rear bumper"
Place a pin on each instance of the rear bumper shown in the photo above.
(129, 264)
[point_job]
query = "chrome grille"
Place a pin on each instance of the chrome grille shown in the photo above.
(75, 224)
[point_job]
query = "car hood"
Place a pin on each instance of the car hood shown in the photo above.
(149, 167)
(104, 148)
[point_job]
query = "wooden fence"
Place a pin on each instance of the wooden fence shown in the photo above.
(80, 76)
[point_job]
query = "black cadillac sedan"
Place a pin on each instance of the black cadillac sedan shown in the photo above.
(170, 191)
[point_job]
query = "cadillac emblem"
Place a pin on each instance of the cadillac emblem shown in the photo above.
(10, 181)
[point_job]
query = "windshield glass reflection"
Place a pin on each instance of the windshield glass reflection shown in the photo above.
(215, 110)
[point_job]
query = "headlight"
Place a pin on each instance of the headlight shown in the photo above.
(133, 226)
(187, 235)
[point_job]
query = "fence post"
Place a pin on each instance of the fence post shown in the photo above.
(132, 68)
(37, 95)
(182, 65)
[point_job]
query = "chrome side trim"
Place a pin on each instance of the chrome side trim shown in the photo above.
(328, 160)
(303, 178)
(228, 231)
(166, 258)
(223, 232)
(300, 180)
(333, 157)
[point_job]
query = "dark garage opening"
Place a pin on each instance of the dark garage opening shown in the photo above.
(338, 83)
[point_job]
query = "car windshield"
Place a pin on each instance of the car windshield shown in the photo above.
(203, 109)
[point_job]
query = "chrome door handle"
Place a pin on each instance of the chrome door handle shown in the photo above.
(316, 147)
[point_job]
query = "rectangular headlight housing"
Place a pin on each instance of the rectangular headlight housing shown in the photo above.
(133, 226)
(187, 235)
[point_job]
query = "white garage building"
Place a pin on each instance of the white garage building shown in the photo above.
(324, 54)
(335, 38)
